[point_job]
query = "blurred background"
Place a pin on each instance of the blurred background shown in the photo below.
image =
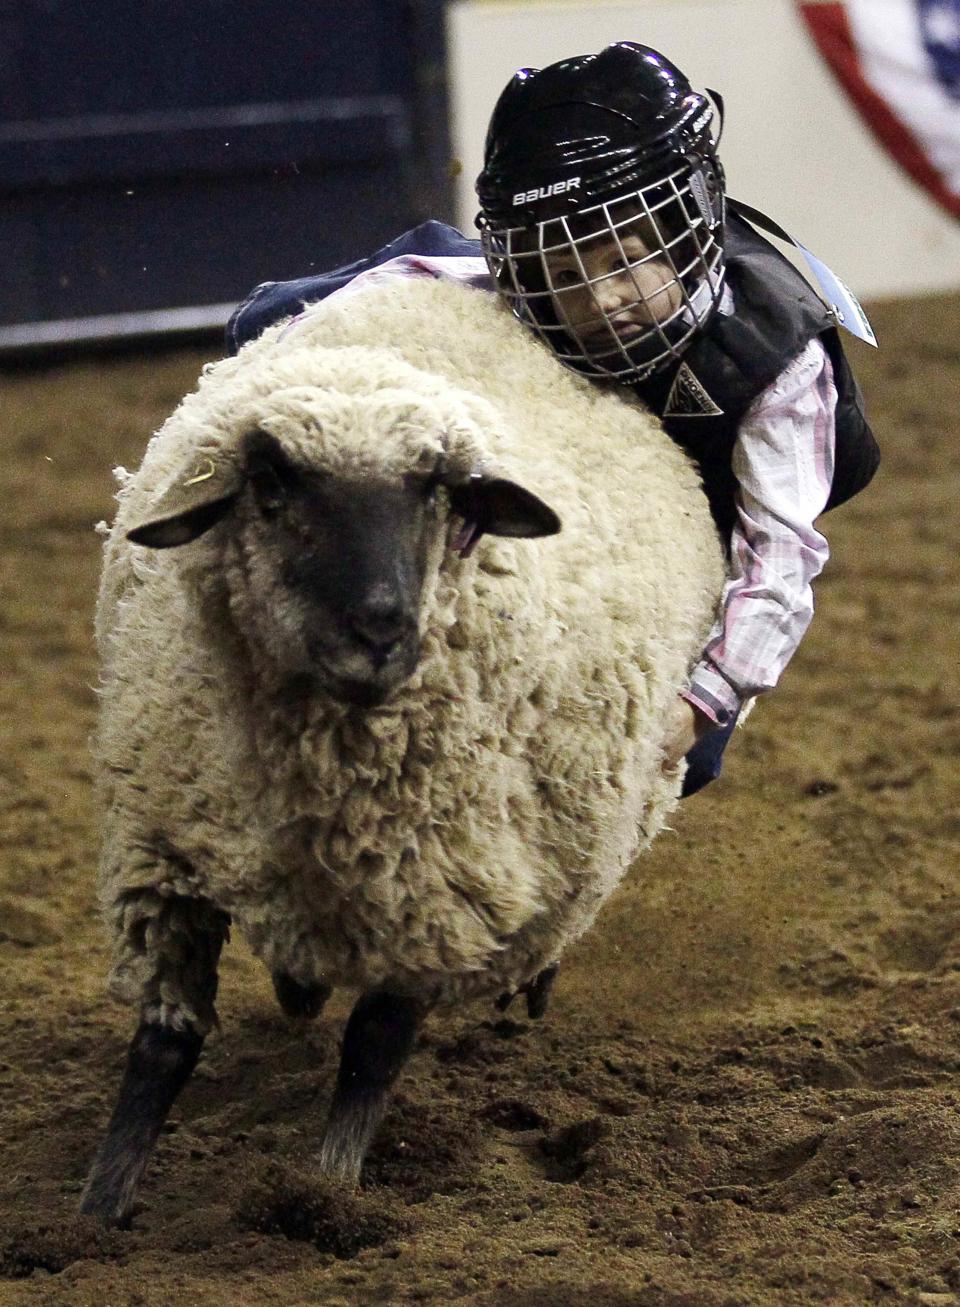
(158, 160)
(746, 1090)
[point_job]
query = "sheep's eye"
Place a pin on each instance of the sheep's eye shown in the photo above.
(423, 484)
(269, 489)
(271, 473)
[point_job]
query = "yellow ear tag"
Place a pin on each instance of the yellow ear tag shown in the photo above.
(203, 473)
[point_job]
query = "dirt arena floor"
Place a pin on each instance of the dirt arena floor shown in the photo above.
(746, 1090)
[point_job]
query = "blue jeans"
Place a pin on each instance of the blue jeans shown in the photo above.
(706, 758)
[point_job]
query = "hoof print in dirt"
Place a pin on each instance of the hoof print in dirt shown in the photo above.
(292, 1203)
(568, 1151)
(818, 788)
(484, 1045)
(507, 1029)
(26, 928)
(512, 1114)
(53, 1247)
(422, 1150)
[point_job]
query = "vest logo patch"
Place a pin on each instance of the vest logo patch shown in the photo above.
(688, 399)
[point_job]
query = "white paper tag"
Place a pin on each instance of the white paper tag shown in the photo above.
(843, 304)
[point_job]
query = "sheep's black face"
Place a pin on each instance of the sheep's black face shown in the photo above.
(336, 571)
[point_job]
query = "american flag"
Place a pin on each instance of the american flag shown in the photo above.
(899, 61)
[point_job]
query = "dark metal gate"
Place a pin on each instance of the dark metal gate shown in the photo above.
(158, 158)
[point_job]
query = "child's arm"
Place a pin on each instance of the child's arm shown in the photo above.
(783, 461)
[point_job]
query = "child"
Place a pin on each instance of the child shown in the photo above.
(604, 224)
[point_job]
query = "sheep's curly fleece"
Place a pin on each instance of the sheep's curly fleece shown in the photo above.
(453, 841)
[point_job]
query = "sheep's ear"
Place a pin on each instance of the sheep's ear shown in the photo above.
(496, 506)
(191, 506)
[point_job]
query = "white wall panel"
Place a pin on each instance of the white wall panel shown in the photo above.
(792, 144)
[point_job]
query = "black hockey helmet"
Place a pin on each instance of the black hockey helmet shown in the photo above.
(597, 168)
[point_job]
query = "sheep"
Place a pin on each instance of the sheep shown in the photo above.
(363, 697)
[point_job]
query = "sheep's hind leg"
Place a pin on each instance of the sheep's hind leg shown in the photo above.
(159, 1063)
(377, 1042)
(536, 991)
(305, 1001)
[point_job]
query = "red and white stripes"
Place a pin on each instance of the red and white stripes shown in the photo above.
(897, 61)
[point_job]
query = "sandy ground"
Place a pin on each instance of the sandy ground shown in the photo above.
(745, 1091)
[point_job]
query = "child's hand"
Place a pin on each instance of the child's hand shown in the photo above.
(687, 725)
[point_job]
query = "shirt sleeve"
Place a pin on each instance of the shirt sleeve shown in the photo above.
(783, 463)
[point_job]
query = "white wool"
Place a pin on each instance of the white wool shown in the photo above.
(453, 840)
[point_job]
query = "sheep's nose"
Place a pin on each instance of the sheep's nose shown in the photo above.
(379, 620)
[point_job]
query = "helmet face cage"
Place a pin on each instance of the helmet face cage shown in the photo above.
(616, 290)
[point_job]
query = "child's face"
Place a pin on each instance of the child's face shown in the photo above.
(627, 288)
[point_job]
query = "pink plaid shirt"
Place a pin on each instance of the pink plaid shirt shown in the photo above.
(783, 462)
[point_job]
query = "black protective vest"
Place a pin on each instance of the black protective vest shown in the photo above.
(737, 355)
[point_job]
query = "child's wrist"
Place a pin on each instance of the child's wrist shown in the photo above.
(706, 717)
(709, 691)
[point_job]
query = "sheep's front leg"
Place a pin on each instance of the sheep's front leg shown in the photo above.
(159, 1063)
(377, 1042)
(169, 948)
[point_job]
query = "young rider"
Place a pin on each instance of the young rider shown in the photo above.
(604, 224)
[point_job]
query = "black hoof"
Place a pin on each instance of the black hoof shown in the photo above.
(303, 1001)
(536, 992)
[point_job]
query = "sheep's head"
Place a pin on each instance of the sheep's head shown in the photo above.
(333, 553)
